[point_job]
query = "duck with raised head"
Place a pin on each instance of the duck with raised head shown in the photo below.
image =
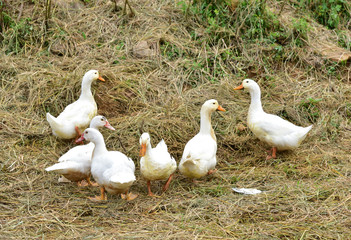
(156, 163)
(77, 115)
(75, 164)
(279, 133)
(112, 170)
(199, 156)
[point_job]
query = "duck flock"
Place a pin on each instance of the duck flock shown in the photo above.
(114, 172)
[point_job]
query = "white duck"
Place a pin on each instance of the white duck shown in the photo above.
(277, 132)
(199, 156)
(112, 170)
(78, 114)
(156, 163)
(75, 164)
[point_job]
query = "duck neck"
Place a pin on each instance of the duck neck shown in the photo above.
(86, 89)
(100, 147)
(255, 105)
(148, 149)
(205, 122)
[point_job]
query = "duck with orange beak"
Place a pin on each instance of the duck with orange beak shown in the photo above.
(275, 131)
(77, 115)
(199, 156)
(156, 163)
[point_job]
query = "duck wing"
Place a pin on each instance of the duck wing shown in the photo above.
(273, 125)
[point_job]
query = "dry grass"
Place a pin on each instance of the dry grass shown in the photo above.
(307, 191)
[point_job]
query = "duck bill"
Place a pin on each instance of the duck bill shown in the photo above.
(241, 87)
(142, 150)
(107, 125)
(80, 139)
(220, 108)
(101, 79)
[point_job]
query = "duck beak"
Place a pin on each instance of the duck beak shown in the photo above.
(80, 139)
(101, 79)
(143, 150)
(220, 108)
(241, 87)
(107, 125)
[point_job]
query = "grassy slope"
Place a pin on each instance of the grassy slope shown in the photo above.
(197, 55)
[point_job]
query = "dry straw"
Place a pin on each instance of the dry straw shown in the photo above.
(307, 191)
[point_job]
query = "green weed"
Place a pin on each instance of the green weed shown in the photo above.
(330, 13)
(309, 107)
(17, 34)
(169, 50)
(300, 29)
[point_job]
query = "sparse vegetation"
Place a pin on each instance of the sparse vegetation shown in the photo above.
(192, 51)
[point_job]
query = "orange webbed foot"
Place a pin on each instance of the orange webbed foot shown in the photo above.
(272, 154)
(97, 199)
(102, 197)
(83, 183)
(93, 184)
(129, 196)
(212, 171)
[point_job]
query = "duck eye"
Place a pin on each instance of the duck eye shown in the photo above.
(102, 119)
(86, 132)
(247, 81)
(214, 103)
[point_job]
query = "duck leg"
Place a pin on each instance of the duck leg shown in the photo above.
(78, 135)
(273, 155)
(149, 189)
(103, 196)
(93, 184)
(166, 186)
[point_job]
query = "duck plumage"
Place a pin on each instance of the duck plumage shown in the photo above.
(112, 170)
(199, 156)
(156, 163)
(77, 115)
(75, 164)
(275, 131)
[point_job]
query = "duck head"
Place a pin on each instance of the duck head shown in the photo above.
(212, 105)
(144, 142)
(100, 121)
(249, 84)
(93, 75)
(90, 134)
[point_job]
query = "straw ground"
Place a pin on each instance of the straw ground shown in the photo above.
(160, 66)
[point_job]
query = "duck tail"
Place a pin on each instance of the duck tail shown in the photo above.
(162, 145)
(59, 167)
(303, 133)
(307, 129)
(52, 121)
(123, 178)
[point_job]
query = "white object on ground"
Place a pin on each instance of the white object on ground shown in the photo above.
(247, 190)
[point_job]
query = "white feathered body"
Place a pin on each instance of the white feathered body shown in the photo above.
(199, 156)
(276, 131)
(157, 164)
(78, 113)
(74, 164)
(113, 170)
